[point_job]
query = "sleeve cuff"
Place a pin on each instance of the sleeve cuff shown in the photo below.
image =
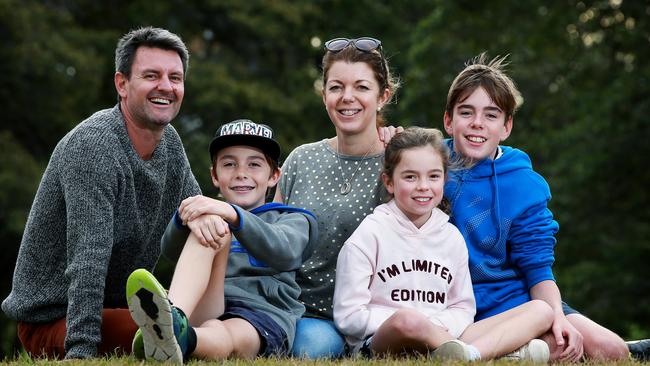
(178, 222)
(240, 216)
(538, 275)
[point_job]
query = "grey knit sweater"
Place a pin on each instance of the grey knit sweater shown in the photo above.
(98, 214)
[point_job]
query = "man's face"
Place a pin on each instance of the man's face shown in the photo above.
(152, 97)
(477, 126)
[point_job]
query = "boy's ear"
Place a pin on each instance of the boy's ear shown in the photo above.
(507, 128)
(274, 178)
(388, 183)
(213, 175)
(447, 121)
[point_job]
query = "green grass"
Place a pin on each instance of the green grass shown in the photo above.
(130, 361)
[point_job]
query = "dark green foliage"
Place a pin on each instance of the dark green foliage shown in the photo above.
(582, 68)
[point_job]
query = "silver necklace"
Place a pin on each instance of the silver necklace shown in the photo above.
(346, 185)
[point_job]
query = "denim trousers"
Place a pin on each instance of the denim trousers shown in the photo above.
(317, 338)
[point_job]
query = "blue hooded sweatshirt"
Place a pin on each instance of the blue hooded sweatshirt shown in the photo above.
(500, 207)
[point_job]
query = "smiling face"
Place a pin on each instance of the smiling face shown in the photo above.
(417, 183)
(152, 96)
(243, 175)
(477, 126)
(352, 97)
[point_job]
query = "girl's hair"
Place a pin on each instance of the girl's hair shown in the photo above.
(491, 76)
(414, 137)
(374, 59)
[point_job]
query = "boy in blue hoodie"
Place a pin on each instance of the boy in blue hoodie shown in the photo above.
(499, 203)
(234, 291)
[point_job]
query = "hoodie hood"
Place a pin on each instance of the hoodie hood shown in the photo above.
(510, 160)
(389, 215)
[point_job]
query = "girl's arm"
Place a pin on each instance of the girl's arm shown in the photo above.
(461, 306)
(352, 314)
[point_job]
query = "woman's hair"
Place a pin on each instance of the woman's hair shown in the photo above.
(491, 76)
(414, 137)
(374, 59)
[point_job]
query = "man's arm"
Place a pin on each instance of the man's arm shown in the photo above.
(89, 179)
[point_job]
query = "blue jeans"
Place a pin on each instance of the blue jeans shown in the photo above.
(317, 338)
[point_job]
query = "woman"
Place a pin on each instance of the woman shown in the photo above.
(338, 178)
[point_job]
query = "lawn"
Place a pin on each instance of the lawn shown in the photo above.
(23, 360)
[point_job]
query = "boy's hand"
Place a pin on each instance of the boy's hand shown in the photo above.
(387, 133)
(193, 207)
(211, 231)
(567, 336)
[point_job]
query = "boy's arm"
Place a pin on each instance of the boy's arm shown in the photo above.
(176, 234)
(174, 238)
(532, 241)
(193, 207)
(549, 292)
(197, 212)
(284, 244)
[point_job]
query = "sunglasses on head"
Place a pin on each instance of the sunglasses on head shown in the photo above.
(363, 44)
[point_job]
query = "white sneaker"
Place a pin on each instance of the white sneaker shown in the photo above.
(535, 351)
(453, 350)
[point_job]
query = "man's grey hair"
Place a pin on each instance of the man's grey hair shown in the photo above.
(148, 37)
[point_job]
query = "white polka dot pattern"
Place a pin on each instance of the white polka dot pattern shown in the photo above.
(311, 179)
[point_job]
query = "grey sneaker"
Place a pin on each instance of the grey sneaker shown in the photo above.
(639, 350)
(535, 351)
(453, 350)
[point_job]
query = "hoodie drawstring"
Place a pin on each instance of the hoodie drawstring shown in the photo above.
(495, 190)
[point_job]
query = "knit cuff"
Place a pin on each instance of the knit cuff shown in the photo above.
(81, 351)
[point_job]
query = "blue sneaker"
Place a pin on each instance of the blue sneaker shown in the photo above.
(163, 327)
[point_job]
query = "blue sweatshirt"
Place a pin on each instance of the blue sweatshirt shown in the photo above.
(500, 208)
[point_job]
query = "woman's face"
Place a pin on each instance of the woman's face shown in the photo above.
(352, 96)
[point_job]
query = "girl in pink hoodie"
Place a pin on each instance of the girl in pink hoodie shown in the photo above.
(405, 267)
(402, 278)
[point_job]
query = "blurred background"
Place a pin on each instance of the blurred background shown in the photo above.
(582, 67)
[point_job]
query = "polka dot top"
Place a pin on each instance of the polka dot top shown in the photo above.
(312, 179)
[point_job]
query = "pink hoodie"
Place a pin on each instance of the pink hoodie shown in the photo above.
(388, 264)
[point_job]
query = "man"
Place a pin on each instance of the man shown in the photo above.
(110, 188)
